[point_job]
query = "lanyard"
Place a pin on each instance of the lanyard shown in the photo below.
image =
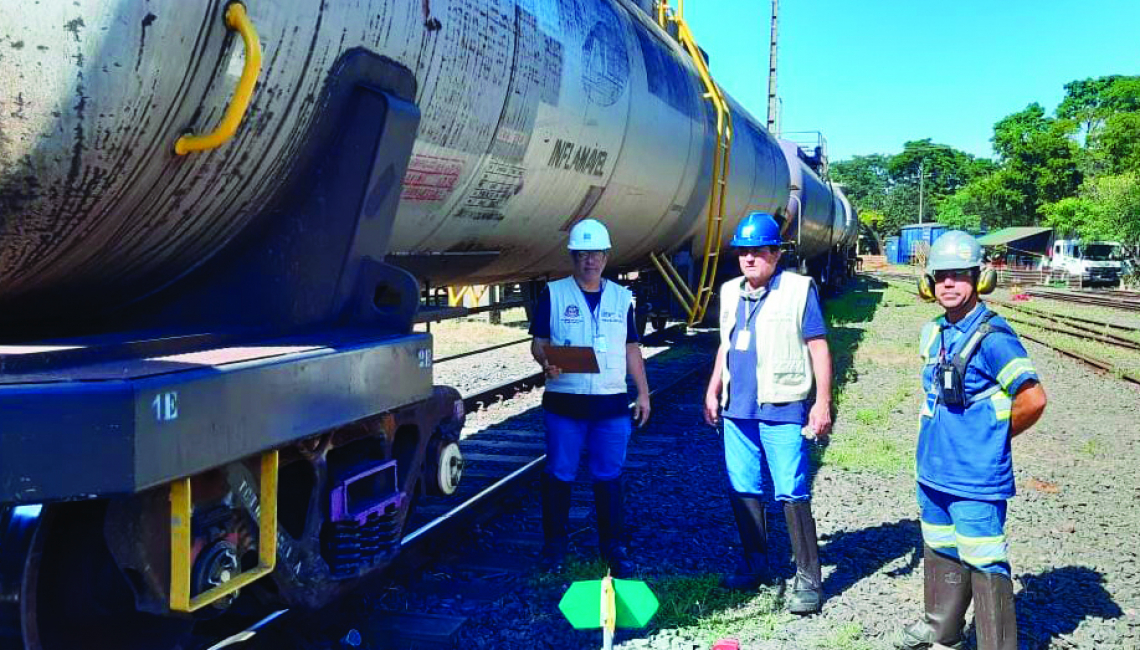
(595, 310)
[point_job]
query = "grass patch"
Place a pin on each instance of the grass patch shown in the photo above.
(1090, 447)
(698, 604)
(847, 637)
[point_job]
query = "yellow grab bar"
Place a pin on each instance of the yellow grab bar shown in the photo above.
(236, 19)
(181, 512)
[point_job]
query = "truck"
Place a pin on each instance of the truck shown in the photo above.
(1097, 262)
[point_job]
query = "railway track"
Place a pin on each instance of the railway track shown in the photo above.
(504, 455)
(1114, 299)
(1067, 327)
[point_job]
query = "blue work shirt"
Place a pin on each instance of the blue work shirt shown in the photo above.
(574, 405)
(742, 363)
(965, 451)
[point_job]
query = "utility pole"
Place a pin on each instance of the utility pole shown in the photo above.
(772, 109)
(921, 187)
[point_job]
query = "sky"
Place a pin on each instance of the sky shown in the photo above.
(872, 74)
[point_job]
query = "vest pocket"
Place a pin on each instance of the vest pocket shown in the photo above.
(788, 372)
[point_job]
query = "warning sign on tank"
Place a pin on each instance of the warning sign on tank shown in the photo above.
(430, 178)
(496, 185)
(587, 160)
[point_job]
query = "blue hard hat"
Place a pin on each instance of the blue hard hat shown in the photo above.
(757, 229)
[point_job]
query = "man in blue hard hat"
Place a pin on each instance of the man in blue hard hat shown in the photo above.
(589, 409)
(772, 347)
(981, 391)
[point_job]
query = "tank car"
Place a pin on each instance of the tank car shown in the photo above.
(198, 337)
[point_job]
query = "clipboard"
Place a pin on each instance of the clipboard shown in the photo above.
(572, 359)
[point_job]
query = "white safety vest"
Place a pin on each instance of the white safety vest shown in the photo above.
(572, 323)
(783, 363)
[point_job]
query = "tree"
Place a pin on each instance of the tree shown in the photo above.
(865, 180)
(1107, 209)
(1038, 162)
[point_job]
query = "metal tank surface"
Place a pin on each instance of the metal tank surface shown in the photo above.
(534, 114)
(810, 218)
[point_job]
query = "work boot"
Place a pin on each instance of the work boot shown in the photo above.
(807, 589)
(995, 619)
(608, 502)
(555, 516)
(946, 596)
(752, 524)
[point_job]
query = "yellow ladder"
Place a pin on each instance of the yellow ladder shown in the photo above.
(697, 304)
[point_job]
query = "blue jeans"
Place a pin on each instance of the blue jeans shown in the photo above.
(749, 443)
(605, 438)
(969, 530)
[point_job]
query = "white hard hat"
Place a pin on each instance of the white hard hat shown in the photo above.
(589, 235)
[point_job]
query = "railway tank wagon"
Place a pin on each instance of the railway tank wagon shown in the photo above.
(211, 394)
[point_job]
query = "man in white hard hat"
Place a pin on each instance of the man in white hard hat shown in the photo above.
(981, 391)
(588, 409)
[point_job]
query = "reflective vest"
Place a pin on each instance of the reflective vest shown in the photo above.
(573, 323)
(783, 363)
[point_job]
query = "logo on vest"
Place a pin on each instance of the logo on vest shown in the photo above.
(571, 311)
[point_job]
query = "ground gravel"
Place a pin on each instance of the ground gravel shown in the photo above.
(1073, 526)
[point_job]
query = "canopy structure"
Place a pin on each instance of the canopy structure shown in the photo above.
(1010, 235)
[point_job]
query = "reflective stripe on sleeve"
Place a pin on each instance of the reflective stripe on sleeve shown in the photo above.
(1002, 405)
(1013, 370)
(938, 536)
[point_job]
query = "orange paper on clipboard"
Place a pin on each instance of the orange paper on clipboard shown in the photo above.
(571, 358)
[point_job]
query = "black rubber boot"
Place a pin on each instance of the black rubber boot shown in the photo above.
(608, 501)
(555, 517)
(995, 619)
(752, 524)
(946, 596)
(807, 590)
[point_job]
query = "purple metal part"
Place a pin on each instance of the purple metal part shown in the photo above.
(355, 498)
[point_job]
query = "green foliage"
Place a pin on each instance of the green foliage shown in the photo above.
(1108, 208)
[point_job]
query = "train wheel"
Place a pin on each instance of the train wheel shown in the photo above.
(659, 323)
(446, 467)
(74, 597)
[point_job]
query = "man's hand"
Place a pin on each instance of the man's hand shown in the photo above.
(551, 371)
(819, 419)
(712, 409)
(641, 409)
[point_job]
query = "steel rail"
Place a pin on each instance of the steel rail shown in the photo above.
(482, 350)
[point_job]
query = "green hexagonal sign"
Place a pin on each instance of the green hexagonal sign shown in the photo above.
(582, 604)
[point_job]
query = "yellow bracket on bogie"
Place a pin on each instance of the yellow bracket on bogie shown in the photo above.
(181, 512)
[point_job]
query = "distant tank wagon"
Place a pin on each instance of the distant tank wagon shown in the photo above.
(198, 347)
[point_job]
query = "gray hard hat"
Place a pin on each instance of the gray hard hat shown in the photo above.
(954, 250)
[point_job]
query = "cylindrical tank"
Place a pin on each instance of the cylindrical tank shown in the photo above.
(535, 114)
(811, 211)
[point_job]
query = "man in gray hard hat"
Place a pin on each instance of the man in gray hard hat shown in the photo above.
(981, 391)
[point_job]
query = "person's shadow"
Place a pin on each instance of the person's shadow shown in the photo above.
(858, 554)
(1055, 602)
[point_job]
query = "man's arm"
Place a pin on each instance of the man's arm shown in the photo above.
(636, 365)
(716, 384)
(539, 354)
(820, 417)
(1028, 405)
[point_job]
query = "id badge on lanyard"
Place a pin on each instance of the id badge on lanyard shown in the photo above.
(744, 334)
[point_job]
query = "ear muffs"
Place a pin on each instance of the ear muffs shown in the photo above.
(987, 281)
(926, 287)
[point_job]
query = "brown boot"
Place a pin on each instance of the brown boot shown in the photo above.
(807, 589)
(995, 619)
(946, 596)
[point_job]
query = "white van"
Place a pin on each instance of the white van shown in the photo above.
(1097, 262)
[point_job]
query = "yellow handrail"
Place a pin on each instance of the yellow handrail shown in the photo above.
(721, 159)
(238, 20)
